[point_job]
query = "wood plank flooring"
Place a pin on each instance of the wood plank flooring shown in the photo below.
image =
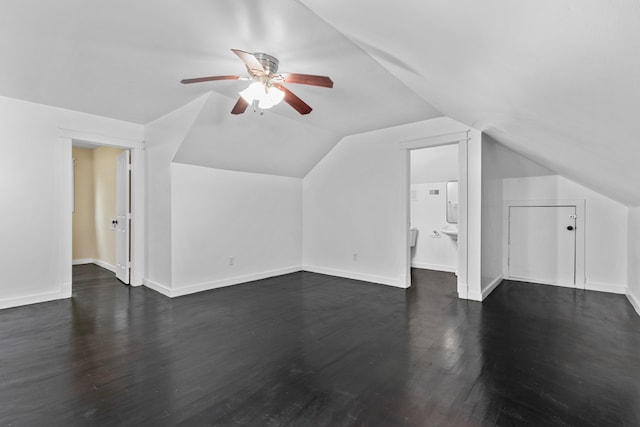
(306, 349)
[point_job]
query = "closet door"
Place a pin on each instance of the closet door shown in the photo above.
(542, 244)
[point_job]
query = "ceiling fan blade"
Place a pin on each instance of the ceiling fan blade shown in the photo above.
(307, 79)
(290, 98)
(208, 79)
(253, 65)
(240, 106)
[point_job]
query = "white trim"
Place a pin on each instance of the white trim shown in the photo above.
(381, 280)
(98, 139)
(490, 288)
(542, 282)
(65, 219)
(162, 289)
(97, 262)
(105, 265)
(436, 267)
(635, 302)
(201, 287)
(206, 286)
(580, 266)
(32, 299)
(606, 287)
(463, 289)
(474, 296)
(434, 141)
(590, 286)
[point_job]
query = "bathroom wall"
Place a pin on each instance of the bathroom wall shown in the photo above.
(431, 169)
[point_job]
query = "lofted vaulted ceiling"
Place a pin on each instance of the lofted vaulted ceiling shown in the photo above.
(556, 80)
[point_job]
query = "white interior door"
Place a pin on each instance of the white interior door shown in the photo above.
(542, 244)
(123, 216)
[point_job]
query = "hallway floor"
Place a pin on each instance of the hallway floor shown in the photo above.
(306, 349)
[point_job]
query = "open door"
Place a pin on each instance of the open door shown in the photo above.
(123, 216)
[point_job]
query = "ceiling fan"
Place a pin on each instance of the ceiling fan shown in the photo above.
(267, 89)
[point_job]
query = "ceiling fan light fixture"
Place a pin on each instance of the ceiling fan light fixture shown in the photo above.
(255, 91)
(267, 97)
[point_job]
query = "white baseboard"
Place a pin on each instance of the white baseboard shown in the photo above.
(31, 299)
(207, 286)
(463, 290)
(436, 267)
(494, 284)
(591, 286)
(635, 302)
(97, 262)
(105, 265)
(389, 281)
(162, 289)
(605, 287)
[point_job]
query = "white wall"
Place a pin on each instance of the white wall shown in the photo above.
(31, 180)
(198, 217)
(433, 251)
(352, 204)
(162, 139)
(605, 229)
(498, 163)
(218, 214)
(492, 174)
(434, 164)
(633, 261)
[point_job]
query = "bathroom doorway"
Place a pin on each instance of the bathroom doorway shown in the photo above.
(435, 191)
(434, 208)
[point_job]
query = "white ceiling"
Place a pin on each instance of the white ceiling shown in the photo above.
(556, 80)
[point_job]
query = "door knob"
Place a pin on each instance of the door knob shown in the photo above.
(570, 227)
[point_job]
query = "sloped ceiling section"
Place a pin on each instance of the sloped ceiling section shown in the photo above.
(555, 80)
(268, 143)
(125, 59)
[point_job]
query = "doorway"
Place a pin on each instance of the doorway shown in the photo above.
(135, 222)
(460, 139)
(100, 207)
(434, 208)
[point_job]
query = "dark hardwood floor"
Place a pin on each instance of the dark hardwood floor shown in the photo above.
(312, 350)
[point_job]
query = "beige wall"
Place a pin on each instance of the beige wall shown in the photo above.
(93, 237)
(84, 235)
(104, 181)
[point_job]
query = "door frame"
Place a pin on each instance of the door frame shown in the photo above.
(461, 139)
(137, 236)
(580, 232)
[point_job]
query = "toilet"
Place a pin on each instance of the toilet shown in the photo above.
(413, 236)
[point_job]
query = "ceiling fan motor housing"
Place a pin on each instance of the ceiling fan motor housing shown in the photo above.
(268, 62)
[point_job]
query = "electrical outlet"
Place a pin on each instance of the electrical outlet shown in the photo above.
(355, 257)
(231, 260)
